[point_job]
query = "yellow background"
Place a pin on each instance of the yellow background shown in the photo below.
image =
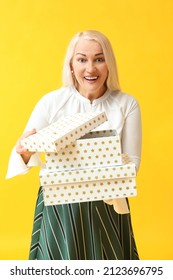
(34, 35)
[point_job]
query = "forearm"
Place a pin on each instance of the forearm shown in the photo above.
(132, 136)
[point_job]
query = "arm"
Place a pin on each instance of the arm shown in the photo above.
(132, 133)
(131, 139)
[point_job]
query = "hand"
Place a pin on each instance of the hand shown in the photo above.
(23, 151)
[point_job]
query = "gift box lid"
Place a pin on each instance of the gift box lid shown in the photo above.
(87, 175)
(63, 132)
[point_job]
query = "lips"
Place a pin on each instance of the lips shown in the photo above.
(88, 78)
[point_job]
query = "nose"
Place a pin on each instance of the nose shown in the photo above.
(90, 67)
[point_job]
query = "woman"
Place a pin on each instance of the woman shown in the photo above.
(87, 230)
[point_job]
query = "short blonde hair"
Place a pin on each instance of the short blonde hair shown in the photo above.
(112, 79)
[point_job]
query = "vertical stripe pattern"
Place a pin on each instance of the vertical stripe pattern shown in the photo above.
(81, 231)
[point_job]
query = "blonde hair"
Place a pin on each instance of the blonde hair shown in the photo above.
(112, 79)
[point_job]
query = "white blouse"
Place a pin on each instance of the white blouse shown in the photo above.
(122, 110)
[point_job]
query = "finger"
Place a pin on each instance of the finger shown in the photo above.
(28, 133)
(33, 130)
(21, 150)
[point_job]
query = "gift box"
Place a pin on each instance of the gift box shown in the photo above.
(63, 132)
(89, 184)
(82, 165)
(95, 149)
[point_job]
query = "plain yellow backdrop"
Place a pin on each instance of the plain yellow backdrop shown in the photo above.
(34, 36)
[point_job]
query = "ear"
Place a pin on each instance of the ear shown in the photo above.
(71, 66)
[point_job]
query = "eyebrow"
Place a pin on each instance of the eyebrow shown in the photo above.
(97, 54)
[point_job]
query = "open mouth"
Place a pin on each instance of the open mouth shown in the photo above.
(91, 78)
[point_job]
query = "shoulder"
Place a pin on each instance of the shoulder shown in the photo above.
(60, 94)
(127, 102)
(55, 99)
(125, 99)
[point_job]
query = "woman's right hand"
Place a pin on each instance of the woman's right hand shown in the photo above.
(25, 154)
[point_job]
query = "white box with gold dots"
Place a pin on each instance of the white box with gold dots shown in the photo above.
(63, 132)
(96, 149)
(82, 164)
(88, 184)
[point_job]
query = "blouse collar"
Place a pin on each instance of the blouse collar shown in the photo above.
(95, 101)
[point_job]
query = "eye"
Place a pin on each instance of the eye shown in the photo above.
(82, 60)
(100, 59)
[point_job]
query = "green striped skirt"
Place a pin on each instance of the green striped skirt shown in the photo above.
(81, 231)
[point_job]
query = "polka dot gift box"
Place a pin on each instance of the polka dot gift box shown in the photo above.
(82, 164)
(99, 148)
(63, 132)
(88, 184)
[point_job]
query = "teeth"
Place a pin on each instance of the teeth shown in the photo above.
(90, 78)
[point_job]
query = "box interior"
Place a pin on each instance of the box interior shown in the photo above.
(99, 133)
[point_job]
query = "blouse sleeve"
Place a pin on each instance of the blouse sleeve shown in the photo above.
(132, 133)
(131, 137)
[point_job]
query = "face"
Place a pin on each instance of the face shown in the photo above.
(90, 69)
